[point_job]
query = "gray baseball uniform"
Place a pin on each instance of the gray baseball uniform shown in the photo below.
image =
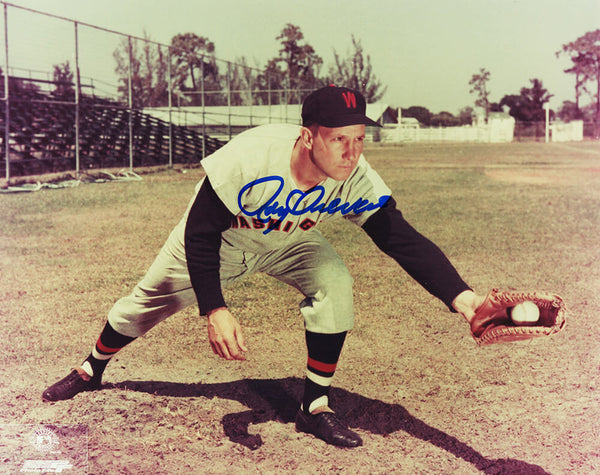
(272, 230)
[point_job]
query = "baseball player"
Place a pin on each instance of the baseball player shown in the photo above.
(257, 210)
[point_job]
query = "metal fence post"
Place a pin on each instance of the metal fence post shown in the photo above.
(203, 107)
(6, 99)
(287, 93)
(229, 99)
(250, 94)
(77, 98)
(269, 95)
(130, 88)
(547, 123)
(169, 92)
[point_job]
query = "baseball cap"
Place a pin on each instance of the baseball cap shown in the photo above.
(333, 106)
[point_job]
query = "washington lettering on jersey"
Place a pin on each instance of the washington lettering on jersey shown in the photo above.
(239, 222)
(264, 214)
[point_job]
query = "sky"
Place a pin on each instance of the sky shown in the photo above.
(424, 51)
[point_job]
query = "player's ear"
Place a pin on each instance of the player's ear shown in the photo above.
(307, 137)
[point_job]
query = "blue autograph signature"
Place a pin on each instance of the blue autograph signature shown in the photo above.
(273, 208)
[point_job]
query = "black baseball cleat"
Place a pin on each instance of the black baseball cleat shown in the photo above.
(326, 426)
(71, 385)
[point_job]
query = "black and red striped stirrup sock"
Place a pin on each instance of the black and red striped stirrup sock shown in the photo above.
(108, 344)
(323, 354)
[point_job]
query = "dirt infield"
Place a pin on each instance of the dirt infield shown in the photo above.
(411, 381)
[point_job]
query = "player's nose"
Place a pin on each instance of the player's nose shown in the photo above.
(353, 150)
(348, 154)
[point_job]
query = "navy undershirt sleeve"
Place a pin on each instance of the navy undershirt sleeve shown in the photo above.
(207, 219)
(418, 256)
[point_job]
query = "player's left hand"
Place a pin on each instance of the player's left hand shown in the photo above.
(225, 335)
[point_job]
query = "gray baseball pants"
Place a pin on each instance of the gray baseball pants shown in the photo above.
(312, 266)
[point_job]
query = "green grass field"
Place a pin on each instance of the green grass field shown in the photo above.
(411, 380)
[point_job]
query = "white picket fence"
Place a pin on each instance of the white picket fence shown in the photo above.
(494, 131)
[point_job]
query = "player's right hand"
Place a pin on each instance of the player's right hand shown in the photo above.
(225, 335)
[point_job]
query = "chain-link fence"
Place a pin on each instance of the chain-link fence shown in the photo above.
(76, 96)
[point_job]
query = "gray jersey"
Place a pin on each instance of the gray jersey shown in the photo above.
(252, 176)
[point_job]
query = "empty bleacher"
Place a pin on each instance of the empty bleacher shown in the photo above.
(43, 134)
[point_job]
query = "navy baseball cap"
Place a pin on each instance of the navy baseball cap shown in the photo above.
(333, 106)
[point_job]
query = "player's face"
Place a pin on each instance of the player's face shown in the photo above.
(336, 151)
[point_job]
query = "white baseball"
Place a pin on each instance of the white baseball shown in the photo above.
(525, 313)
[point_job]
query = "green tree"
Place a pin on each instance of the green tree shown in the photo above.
(570, 111)
(241, 79)
(195, 69)
(581, 77)
(529, 105)
(149, 66)
(535, 99)
(584, 53)
(479, 86)
(465, 116)
(271, 85)
(444, 119)
(422, 114)
(355, 71)
(297, 63)
(516, 106)
(62, 77)
(495, 107)
(126, 57)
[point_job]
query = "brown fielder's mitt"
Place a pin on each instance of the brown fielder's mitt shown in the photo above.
(492, 323)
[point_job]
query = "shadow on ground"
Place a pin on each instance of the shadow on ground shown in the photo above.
(277, 400)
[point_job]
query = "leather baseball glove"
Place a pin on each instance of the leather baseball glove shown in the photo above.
(492, 323)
